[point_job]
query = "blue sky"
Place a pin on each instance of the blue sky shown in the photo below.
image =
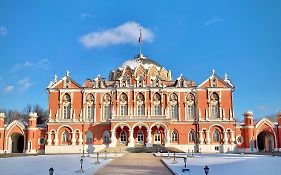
(41, 38)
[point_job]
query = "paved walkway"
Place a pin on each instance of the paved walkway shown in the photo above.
(135, 163)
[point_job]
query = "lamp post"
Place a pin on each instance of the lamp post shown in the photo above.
(51, 171)
(81, 165)
(105, 155)
(206, 170)
(188, 153)
(88, 152)
(97, 162)
(185, 169)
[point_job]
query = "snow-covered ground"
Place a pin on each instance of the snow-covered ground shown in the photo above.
(62, 164)
(226, 164)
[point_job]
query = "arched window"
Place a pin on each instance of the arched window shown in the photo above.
(190, 106)
(174, 106)
(140, 136)
(128, 81)
(123, 137)
(66, 106)
(157, 104)
(65, 136)
(89, 136)
(90, 107)
(140, 105)
(123, 105)
(216, 135)
(106, 137)
(175, 136)
(192, 136)
(107, 107)
(215, 106)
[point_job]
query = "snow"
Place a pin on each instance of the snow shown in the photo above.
(226, 164)
(62, 164)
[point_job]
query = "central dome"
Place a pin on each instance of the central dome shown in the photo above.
(140, 66)
(140, 59)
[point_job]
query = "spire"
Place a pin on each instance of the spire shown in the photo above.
(140, 42)
(213, 72)
(67, 73)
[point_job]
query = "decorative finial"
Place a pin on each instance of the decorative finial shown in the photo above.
(225, 76)
(55, 78)
(213, 72)
(181, 75)
(67, 73)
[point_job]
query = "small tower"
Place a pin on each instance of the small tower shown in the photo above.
(31, 141)
(249, 132)
(2, 119)
(279, 130)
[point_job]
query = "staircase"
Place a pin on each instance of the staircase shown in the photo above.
(142, 149)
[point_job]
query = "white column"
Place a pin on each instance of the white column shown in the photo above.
(56, 140)
(208, 137)
(49, 140)
(225, 140)
(167, 137)
(148, 139)
(113, 139)
(80, 139)
(232, 139)
(73, 139)
(131, 138)
(200, 137)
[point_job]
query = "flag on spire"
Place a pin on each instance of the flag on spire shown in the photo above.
(140, 37)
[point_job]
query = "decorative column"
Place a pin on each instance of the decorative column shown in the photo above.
(113, 139)
(56, 140)
(49, 139)
(73, 139)
(167, 137)
(131, 138)
(225, 140)
(149, 139)
(208, 137)
(232, 139)
(80, 139)
(200, 137)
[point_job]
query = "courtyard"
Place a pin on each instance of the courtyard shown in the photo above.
(143, 163)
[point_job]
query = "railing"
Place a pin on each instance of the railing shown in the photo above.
(138, 117)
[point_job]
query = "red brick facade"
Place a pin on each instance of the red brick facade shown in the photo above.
(140, 104)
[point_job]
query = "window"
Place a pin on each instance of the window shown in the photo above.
(106, 114)
(157, 110)
(174, 111)
(123, 110)
(41, 141)
(191, 136)
(106, 137)
(65, 136)
(124, 105)
(140, 136)
(215, 106)
(66, 106)
(140, 109)
(239, 140)
(190, 109)
(174, 136)
(128, 81)
(89, 136)
(216, 148)
(90, 107)
(216, 136)
(123, 137)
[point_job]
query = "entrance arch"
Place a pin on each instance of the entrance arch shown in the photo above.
(17, 141)
(265, 141)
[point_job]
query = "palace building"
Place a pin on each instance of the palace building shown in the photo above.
(140, 104)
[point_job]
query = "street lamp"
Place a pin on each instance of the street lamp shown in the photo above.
(51, 171)
(97, 162)
(206, 169)
(185, 169)
(81, 165)
(105, 155)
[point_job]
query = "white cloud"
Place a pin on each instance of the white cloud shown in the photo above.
(43, 64)
(126, 33)
(213, 20)
(85, 16)
(20, 66)
(8, 89)
(24, 84)
(3, 31)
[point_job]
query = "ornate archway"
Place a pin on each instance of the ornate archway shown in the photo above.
(17, 141)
